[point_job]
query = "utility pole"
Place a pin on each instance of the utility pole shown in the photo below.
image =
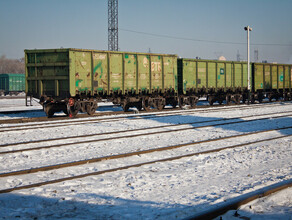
(248, 29)
(113, 38)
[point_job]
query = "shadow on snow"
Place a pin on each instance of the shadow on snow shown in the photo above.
(241, 126)
(17, 206)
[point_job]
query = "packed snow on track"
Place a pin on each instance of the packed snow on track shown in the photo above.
(173, 189)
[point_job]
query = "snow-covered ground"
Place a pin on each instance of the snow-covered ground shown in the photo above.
(174, 189)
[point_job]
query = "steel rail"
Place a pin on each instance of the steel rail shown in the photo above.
(135, 135)
(131, 130)
(235, 203)
(52, 121)
(98, 159)
(146, 115)
(134, 117)
(128, 166)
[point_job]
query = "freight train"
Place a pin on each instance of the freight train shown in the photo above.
(73, 80)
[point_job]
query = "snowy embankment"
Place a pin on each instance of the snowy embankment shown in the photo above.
(175, 189)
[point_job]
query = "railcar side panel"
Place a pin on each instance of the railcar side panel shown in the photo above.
(116, 72)
(280, 77)
(130, 74)
(100, 72)
(220, 72)
(189, 75)
(81, 71)
(156, 72)
(228, 75)
(274, 77)
(144, 73)
(211, 73)
(286, 77)
(290, 77)
(259, 77)
(245, 75)
(170, 72)
(268, 77)
(202, 75)
(237, 75)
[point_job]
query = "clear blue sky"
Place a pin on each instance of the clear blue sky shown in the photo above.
(29, 24)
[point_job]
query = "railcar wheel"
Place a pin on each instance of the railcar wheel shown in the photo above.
(194, 101)
(237, 99)
(145, 104)
(73, 108)
(83, 107)
(211, 100)
(125, 106)
(49, 110)
(91, 108)
(160, 105)
(228, 99)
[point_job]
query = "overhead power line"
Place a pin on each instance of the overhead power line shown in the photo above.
(199, 40)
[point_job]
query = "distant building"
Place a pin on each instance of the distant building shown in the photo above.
(222, 58)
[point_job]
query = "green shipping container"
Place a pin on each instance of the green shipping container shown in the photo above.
(67, 72)
(268, 77)
(211, 75)
(12, 82)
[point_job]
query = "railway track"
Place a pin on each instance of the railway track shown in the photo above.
(174, 128)
(132, 161)
(133, 117)
(137, 153)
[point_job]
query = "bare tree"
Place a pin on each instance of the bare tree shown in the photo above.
(11, 65)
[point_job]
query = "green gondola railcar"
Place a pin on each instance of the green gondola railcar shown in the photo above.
(12, 83)
(79, 78)
(218, 80)
(272, 81)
